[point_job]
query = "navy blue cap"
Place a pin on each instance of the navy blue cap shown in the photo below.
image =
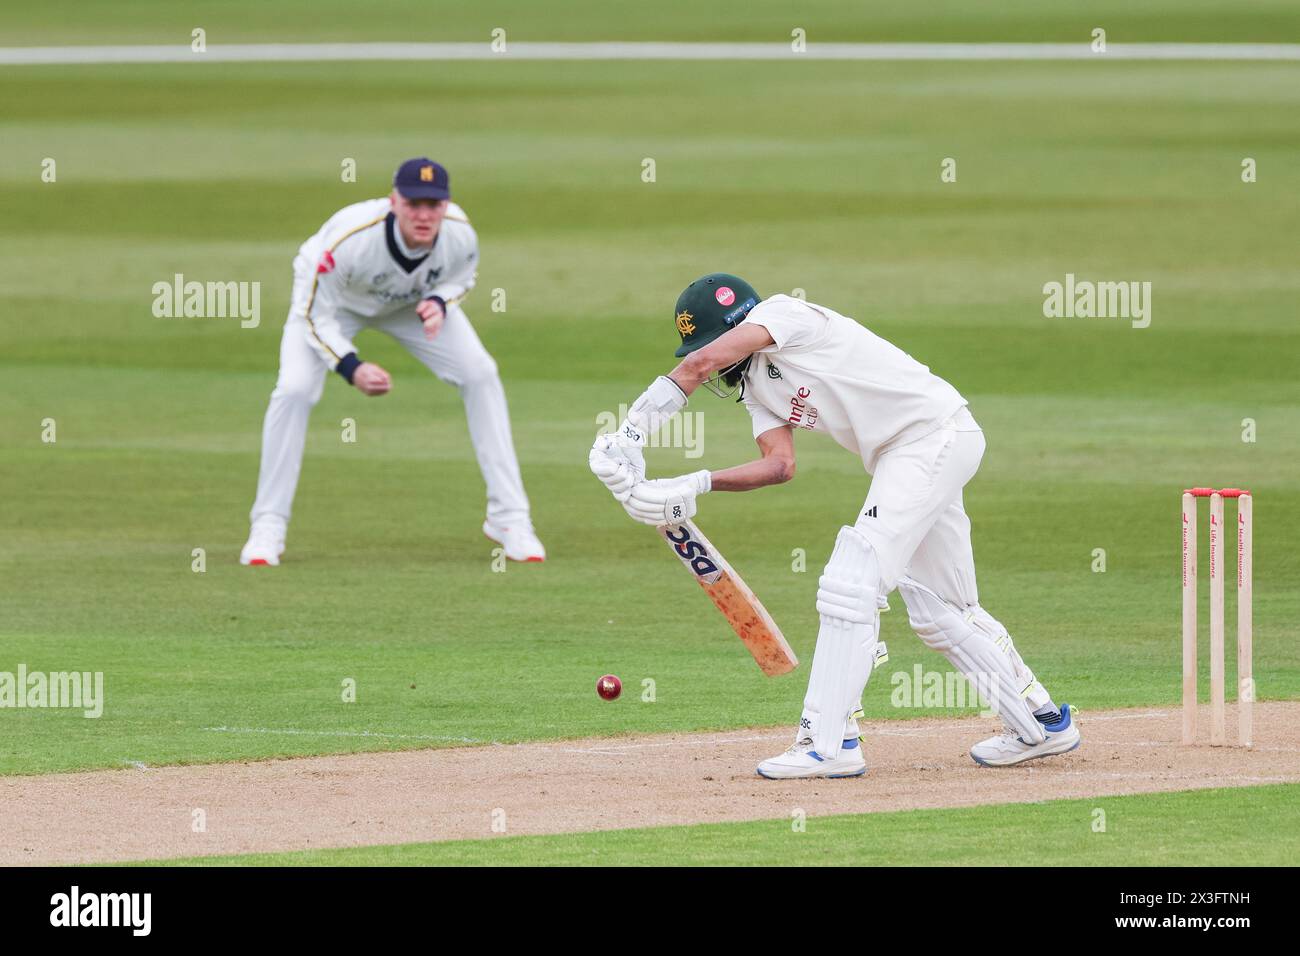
(422, 178)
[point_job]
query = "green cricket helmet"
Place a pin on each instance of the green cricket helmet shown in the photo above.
(710, 306)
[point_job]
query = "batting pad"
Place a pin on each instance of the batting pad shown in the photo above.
(986, 656)
(848, 588)
(846, 641)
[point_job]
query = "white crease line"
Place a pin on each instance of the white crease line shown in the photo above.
(870, 732)
(881, 729)
(325, 52)
(617, 751)
(289, 731)
(1084, 716)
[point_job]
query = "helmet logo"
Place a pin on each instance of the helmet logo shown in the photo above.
(684, 324)
(725, 296)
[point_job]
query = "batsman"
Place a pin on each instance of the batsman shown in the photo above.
(800, 365)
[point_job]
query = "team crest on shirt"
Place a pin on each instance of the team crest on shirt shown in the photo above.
(433, 276)
(773, 372)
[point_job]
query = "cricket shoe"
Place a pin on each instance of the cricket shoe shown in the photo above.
(265, 545)
(1008, 749)
(802, 761)
(518, 541)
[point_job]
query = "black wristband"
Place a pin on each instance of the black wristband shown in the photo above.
(442, 303)
(347, 365)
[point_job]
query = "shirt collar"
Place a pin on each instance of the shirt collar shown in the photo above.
(409, 259)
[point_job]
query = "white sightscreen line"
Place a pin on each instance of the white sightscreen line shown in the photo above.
(326, 52)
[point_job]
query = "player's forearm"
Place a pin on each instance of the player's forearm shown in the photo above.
(692, 372)
(727, 350)
(754, 474)
(335, 350)
(451, 293)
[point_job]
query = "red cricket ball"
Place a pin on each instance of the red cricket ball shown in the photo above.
(609, 687)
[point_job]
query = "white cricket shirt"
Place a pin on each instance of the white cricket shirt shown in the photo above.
(358, 263)
(827, 373)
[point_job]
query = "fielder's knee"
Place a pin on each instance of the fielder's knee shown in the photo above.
(297, 391)
(482, 372)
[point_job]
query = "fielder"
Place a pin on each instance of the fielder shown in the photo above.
(800, 365)
(401, 265)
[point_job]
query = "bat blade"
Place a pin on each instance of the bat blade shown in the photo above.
(729, 593)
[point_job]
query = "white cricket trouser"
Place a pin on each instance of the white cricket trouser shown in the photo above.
(455, 355)
(914, 519)
(913, 515)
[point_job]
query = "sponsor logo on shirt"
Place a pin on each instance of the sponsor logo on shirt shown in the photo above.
(326, 263)
(802, 415)
(379, 289)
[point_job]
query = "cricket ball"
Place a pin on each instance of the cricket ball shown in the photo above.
(609, 687)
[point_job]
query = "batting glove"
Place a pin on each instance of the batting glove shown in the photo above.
(619, 466)
(667, 501)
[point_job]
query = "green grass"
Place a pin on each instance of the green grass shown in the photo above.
(1191, 828)
(829, 21)
(812, 175)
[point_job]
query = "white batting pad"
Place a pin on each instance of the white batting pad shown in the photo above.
(846, 641)
(978, 646)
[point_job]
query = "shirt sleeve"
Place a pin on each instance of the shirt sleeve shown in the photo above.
(764, 419)
(791, 324)
(323, 332)
(462, 272)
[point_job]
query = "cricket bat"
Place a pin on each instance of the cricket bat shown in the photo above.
(743, 611)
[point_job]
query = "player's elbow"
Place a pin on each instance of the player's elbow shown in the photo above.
(782, 470)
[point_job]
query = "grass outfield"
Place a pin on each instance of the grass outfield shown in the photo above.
(1192, 828)
(829, 21)
(818, 176)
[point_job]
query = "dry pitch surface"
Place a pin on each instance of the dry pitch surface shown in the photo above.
(597, 784)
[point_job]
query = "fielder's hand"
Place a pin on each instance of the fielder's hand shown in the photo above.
(370, 379)
(667, 501)
(432, 315)
(618, 465)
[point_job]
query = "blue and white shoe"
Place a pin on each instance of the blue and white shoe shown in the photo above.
(802, 761)
(1008, 749)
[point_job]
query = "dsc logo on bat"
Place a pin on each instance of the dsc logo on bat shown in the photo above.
(693, 554)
